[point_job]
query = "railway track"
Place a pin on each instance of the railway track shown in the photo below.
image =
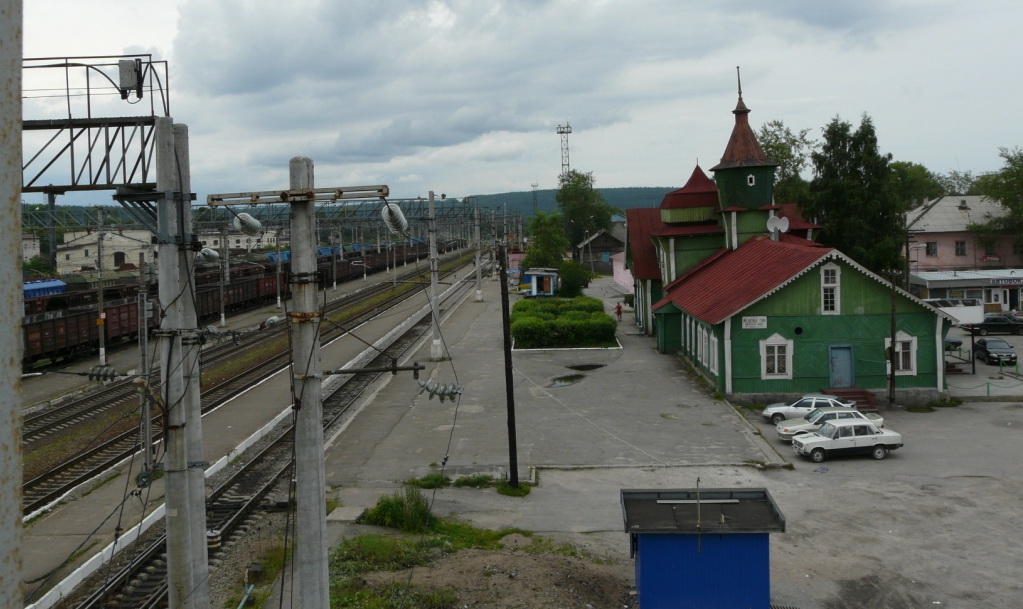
(42, 491)
(142, 583)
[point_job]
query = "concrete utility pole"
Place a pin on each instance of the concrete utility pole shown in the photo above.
(479, 245)
(187, 565)
(310, 478)
(437, 351)
(101, 319)
(10, 304)
(147, 408)
(225, 273)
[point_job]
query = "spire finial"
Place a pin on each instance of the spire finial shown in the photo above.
(738, 77)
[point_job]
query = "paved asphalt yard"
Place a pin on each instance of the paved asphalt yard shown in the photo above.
(937, 524)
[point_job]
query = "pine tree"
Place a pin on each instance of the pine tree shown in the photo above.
(851, 196)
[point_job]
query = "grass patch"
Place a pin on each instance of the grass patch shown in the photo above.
(273, 561)
(430, 481)
(507, 489)
(476, 481)
(950, 403)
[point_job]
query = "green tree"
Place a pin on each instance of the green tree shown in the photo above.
(584, 211)
(957, 183)
(1006, 187)
(574, 277)
(913, 184)
(851, 196)
(791, 151)
(547, 244)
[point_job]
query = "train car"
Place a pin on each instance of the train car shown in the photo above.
(61, 334)
(44, 287)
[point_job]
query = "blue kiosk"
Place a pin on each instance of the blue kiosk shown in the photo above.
(701, 548)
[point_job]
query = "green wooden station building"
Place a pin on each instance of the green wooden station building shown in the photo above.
(735, 283)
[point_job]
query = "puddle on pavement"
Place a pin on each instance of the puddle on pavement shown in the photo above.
(585, 367)
(565, 381)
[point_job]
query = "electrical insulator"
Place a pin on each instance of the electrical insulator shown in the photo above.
(247, 225)
(394, 219)
(103, 373)
(441, 390)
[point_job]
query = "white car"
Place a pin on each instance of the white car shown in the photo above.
(847, 437)
(819, 416)
(776, 413)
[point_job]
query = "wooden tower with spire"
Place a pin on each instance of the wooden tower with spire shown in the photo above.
(745, 181)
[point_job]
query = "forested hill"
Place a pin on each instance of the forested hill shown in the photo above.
(622, 198)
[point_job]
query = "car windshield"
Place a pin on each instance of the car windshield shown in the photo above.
(827, 430)
(997, 343)
(813, 415)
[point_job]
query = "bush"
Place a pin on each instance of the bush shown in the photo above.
(539, 323)
(406, 510)
(574, 277)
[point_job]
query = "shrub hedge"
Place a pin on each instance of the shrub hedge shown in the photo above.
(538, 323)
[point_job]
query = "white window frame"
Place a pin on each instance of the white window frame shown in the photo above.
(751, 180)
(713, 355)
(901, 339)
(776, 340)
(835, 288)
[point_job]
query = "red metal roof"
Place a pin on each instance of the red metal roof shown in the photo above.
(743, 150)
(641, 223)
(731, 280)
(699, 191)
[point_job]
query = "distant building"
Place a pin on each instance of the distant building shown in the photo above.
(940, 238)
(30, 247)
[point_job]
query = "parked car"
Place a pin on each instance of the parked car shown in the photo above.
(776, 413)
(952, 343)
(997, 323)
(817, 417)
(847, 437)
(994, 351)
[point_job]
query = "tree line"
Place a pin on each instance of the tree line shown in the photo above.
(860, 195)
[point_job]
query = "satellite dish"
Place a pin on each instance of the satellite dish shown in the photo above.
(247, 225)
(776, 224)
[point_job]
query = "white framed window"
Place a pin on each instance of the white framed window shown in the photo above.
(712, 364)
(831, 289)
(960, 248)
(905, 354)
(751, 180)
(776, 358)
(932, 249)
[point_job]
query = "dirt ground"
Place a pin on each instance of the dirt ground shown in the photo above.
(513, 578)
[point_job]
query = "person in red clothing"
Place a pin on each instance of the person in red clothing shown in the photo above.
(618, 311)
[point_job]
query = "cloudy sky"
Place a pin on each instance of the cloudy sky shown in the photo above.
(464, 96)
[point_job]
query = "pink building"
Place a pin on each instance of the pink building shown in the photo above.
(940, 239)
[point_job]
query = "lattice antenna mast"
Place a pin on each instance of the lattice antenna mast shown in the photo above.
(535, 185)
(564, 131)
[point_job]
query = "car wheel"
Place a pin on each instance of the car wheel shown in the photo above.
(1019, 331)
(817, 455)
(777, 418)
(982, 332)
(880, 452)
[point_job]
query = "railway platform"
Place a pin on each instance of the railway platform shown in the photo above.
(59, 541)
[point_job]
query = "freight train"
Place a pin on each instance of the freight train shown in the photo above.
(63, 324)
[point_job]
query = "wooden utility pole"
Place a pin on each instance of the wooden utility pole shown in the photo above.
(509, 381)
